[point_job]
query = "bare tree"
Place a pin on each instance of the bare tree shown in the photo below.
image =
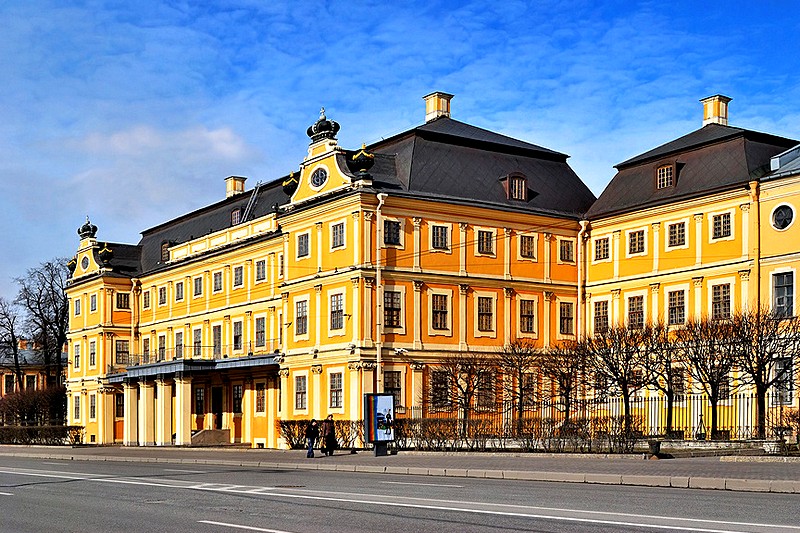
(43, 296)
(617, 356)
(767, 342)
(661, 362)
(708, 351)
(519, 360)
(460, 378)
(10, 323)
(565, 366)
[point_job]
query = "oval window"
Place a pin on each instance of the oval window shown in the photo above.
(318, 177)
(782, 217)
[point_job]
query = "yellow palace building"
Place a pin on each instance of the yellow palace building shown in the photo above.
(353, 274)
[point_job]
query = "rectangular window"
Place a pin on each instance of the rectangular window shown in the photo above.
(9, 385)
(93, 303)
(517, 188)
(301, 317)
(636, 242)
(164, 252)
(392, 384)
(566, 318)
(601, 249)
(337, 235)
(721, 225)
(527, 246)
(676, 307)
(76, 404)
(391, 309)
(566, 251)
(721, 302)
(216, 336)
(261, 398)
(784, 384)
(336, 389)
(300, 397)
(77, 307)
(236, 216)
(217, 281)
(76, 360)
(391, 232)
(485, 313)
(178, 344)
(162, 347)
(146, 299)
(440, 389)
(280, 266)
(199, 401)
(145, 350)
(92, 353)
(783, 290)
(439, 311)
(600, 316)
(636, 311)
(725, 388)
(337, 311)
(261, 270)
(123, 300)
(439, 237)
(261, 331)
(677, 234)
(237, 399)
(162, 296)
(664, 175)
(30, 382)
(237, 335)
(238, 276)
(197, 341)
(92, 406)
(486, 391)
(119, 406)
(527, 316)
(678, 383)
(179, 291)
(198, 286)
(302, 245)
(485, 242)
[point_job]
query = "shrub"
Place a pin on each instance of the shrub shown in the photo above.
(293, 432)
(45, 435)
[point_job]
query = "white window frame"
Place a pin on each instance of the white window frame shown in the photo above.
(645, 308)
(782, 270)
(628, 242)
(194, 281)
(401, 329)
(732, 236)
(92, 351)
(772, 214)
(327, 179)
(256, 318)
(214, 289)
(297, 255)
(333, 224)
(535, 237)
(560, 261)
(182, 291)
(608, 240)
(448, 331)
(710, 294)
(336, 370)
(536, 316)
(448, 230)
(307, 335)
(574, 302)
(684, 287)
(685, 245)
(403, 370)
(256, 279)
(240, 283)
(295, 375)
(592, 307)
(146, 302)
(343, 330)
(92, 303)
(165, 302)
(402, 223)
(493, 231)
(491, 333)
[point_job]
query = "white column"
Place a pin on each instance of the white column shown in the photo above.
(656, 244)
(548, 238)
(183, 410)
(417, 243)
(163, 412)
(507, 233)
(617, 252)
(462, 317)
(698, 238)
(130, 422)
(698, 296)
(508, 292)
(146, 414)
(462, 249)
(417, 319)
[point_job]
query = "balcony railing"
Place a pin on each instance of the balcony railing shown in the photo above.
(188, 351)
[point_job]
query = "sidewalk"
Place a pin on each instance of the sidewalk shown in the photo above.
(755, 474)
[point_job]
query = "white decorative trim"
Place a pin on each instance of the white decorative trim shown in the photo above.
(448, 331)
(493, 231)
(685, 245)
(491, 333)
(627, 243)
(449, 227)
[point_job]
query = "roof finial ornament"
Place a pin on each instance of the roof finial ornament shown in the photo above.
(88, 230)
(322, 112)
(323, 128)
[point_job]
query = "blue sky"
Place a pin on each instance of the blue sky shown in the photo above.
(134, 112)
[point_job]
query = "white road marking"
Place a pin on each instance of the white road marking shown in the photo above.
(423, 484)
(5, 494)
(441, 505)
(239, 526)
(184, 471)
(57, 464)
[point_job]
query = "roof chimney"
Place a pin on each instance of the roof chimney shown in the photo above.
(715, 109)
(234, 185)
(437, 105)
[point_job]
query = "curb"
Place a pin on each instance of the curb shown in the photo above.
(683, 482)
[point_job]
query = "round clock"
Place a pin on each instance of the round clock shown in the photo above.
(85, 262)
(318, 177)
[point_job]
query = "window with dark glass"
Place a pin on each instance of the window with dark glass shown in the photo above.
(391, 232)
(216, 339)
(636, 242)
(145, 350)
(636, 311)
(198, 342)
(391, 309)
(601, 316)
(392, 384)
(198, 286)
(336, 389)
(261, 398)
(199, 401)
(566, 251)
(237, 335)
(217, 278)
(300, 398)
(566, 318)
(485, 391)
(337, 311)
(677, 234)
(439, 311)
(162, 296)
(337, 235)
(721, 302)
(601, 249)
(238, 276)
(782, 217)
(440, 389)
(527, 246)
(162, 347)
(30, 382)
(92, 353)
(485, 242)
(119, 406)
(122, 352)
(93, 303)
(783, 290)
(439, 237)
(123, 300)
(178, 344)
(676, 307)
(237, 398)
(527, 316)
(146, 299)
(76, 360)
(302, 245)
(485, 313)
(179, 291)
(301, 317)
(164, 252)
(721, 225)
(92, 406)
(261, 270)
(261, 331)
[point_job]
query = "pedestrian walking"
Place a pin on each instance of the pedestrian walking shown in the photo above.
(328, 436)
(312, 436)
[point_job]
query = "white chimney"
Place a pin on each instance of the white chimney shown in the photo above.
(437, 105)
(234, 185)
(715, 109)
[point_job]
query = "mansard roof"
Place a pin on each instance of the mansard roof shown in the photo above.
(711, 159)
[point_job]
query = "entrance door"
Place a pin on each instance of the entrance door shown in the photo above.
(216, 406)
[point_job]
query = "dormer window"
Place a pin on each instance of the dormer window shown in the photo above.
(665, 176)
(517, 187)
(236, 216)
(164, 252)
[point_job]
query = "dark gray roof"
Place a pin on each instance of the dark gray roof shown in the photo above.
(448, 159)
(713, 158)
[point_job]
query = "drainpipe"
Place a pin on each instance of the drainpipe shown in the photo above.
(756, 250)
(581, 281)
(379, 293)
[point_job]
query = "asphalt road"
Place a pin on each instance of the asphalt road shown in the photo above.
(56, 495)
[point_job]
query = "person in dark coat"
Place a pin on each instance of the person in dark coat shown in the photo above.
(312, 436)
(328, 436)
